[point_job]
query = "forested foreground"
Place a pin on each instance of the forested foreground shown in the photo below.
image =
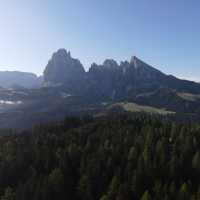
(120, 158)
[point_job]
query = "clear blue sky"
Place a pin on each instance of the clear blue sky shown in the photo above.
(164, 33)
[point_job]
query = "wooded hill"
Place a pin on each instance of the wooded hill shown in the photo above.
(112, 158)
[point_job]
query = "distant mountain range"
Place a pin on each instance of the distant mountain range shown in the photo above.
(110, 80)
(19, 79)
(67, 89)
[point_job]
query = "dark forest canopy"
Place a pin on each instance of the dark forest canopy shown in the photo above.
(112, 158)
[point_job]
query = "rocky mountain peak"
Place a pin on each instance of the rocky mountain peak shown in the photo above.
(110, 64)
(62, 68)
(62, 55)
(133, 58)
(136, 62)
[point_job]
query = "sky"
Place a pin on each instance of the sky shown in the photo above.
(163, 33)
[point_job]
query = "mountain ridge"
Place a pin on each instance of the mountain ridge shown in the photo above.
(110, 87)
(133, 76)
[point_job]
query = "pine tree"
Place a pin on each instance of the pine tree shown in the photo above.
(184, 192)
(113, 188)
(9, 194)
(104, 197)
(146, 196)
(196, 161)
(56, 182)
(172, 190)
(84, 188)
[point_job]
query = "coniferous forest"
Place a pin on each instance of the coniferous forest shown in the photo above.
(109, 158)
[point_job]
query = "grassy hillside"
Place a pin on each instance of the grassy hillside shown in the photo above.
(133, 107)
(189, 96)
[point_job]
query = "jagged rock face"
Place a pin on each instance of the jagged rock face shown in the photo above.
(125, 80)
(63, 69)
(110, 81)
(106, 80)
(102, 79)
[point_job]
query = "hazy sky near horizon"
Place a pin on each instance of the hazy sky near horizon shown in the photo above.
(165, 34)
